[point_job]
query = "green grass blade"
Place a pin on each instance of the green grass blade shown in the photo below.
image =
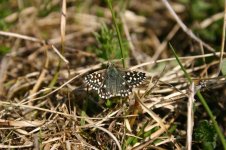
(203, 101)
(118, 32)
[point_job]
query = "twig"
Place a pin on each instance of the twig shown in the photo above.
(223, 39)
(184, 27)
(59, 54)
(165, 42)
(21, 36)
(190, 115)
(158, 120)
(170, 59)
(211, 19)
(41, 76)
(129, 39)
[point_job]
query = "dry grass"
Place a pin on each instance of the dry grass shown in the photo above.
(44, 103)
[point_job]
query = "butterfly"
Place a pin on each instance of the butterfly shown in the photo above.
(114, 82)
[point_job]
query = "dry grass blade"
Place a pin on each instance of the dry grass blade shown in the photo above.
(190, 119)
(183, 26)
(159, 121)
(48, 48)
(222, 40)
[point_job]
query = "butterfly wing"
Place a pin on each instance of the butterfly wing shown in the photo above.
(134, 78)
(114, 85)
(94, 80)
(114, 82)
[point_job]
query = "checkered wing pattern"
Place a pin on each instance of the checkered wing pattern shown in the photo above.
(114, 82)
(134, 78)
(94, 80)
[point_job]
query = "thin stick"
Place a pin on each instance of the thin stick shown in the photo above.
(185, 28)
(170, 59)
(21, 36)
(190, 115)
(59, 54)
(223, 39)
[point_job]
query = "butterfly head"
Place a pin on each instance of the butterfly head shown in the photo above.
(111, 70)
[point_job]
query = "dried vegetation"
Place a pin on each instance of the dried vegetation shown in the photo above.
(44, 103)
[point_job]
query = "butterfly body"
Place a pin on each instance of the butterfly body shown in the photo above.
(114, 82)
